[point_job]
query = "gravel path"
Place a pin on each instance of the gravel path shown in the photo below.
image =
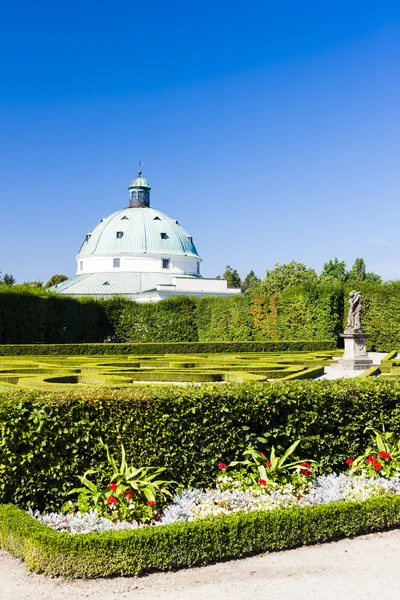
(366, 567)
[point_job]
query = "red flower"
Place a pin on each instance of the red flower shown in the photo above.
(262, 482)
(268, 463)
(371, 460)
(377, 466)
(349, 461)
(150, 503)
(306, 465)
(263, 454)
(222, 466)
(113, 486)
(112, 500)
(128, 494)
(306, 472)
(384, 455)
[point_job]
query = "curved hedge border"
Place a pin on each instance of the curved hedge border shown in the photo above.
(181, 545)
(165, 348)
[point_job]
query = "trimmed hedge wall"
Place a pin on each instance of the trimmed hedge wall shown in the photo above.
(48, 439)
(163, 348)
(195, 543)
(314, 312)
(27, 317)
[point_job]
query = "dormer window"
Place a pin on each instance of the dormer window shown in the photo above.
(156, 219)
(120, 234)
(189, 237)
(116, 262)
(163, 235)
(125, 218)
(165, 263)
(88, 236)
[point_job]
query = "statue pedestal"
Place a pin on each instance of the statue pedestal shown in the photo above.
(355, 355)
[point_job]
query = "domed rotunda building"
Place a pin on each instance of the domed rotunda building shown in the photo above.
(141, 253)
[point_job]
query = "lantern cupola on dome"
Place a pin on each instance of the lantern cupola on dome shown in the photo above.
(139, 192)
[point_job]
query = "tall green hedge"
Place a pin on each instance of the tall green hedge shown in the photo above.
(224, 319)
(172, 320)
(37, 316)
(313, 312)
(47, 439)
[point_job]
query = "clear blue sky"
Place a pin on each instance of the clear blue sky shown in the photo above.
(269, 129)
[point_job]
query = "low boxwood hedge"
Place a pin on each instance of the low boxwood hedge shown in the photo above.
(180, 545)
(164, 348)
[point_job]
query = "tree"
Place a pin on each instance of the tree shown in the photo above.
(7, 280)
(55, 279)
(284, 276)
(358, 273)
(334, 270)
(33, 284)
(250, 281)
(373, 277)
(232, 277)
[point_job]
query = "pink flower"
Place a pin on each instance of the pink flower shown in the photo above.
(112, 500)
(150, 503)
(349, 461)
(113, 486)
(262, 482)
(222, 466)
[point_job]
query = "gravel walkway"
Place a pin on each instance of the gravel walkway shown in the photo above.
(366, 567)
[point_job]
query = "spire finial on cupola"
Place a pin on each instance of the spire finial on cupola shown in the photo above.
(139, 191)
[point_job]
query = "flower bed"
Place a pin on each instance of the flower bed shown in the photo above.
(229, 498)
(264, 502)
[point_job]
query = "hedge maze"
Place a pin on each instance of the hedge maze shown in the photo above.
(122, 371)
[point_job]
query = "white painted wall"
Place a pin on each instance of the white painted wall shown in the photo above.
(180, 265)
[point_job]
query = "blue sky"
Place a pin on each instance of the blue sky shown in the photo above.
(270, 130)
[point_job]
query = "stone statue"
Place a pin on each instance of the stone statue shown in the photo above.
(355, 310)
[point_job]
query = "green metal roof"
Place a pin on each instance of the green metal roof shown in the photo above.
(113, 283)
(141, 230)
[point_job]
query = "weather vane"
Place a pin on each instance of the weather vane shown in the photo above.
(140, 170)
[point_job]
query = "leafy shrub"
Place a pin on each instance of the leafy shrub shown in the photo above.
(379, 460)
(133, 494)
(275, 470)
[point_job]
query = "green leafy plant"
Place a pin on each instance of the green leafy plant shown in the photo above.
(132, 494)
(381, 459)
(276, 470)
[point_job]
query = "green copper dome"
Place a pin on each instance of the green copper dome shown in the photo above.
(138, 230)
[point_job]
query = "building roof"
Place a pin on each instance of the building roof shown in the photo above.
(113, 283)
(138, 230)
